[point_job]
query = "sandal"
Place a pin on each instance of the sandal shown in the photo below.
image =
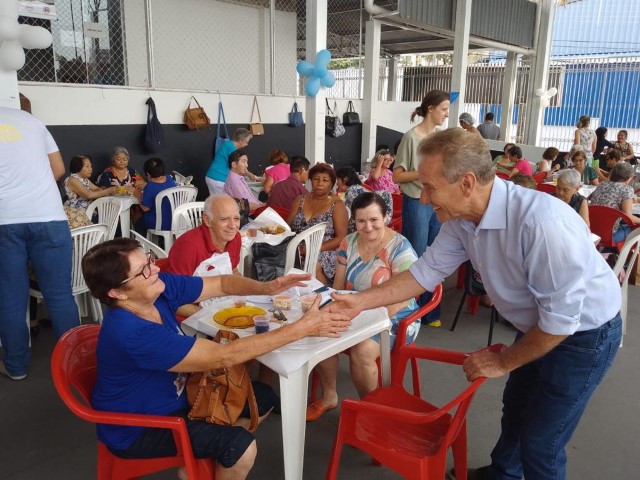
(316, 409)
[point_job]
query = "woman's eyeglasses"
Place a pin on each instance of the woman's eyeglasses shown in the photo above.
(146, 270)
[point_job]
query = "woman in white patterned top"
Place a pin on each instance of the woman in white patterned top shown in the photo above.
(586, 137)
(79, 189)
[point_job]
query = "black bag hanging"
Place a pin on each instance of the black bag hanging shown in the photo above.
(295, 116)
(329, 119)
(221, 136)
(350, 117)
(154, 133)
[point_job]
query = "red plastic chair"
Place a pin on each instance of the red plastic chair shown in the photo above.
(396, 225)
(368, 186)
(73, 366)
(539, 177)
(397, 205)
(546, 188)
(601, 221)
(283, 212)
(404, 432)
(401, 339)
(504, 176)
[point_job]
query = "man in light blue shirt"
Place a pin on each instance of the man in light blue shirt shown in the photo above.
(540, 268)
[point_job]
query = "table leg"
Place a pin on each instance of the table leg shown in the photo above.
(125, 223)
(385, 357)
(293, 398)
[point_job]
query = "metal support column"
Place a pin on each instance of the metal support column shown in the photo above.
(540, 72)
(508, 95)
(371, 82)
(460, 55)
(316, 32)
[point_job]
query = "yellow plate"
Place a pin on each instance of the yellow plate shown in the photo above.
(238, 317)
(272, 229)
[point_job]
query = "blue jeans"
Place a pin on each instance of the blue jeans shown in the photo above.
(621, 233)
(544, 400)
(49, 247)
(420, 226)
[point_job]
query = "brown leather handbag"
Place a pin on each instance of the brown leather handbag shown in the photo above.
(195, 118)
(256, 128)
(219, 395)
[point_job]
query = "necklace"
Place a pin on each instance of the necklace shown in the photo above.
(372, 249)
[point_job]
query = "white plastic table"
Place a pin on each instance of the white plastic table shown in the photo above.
(295, 361)
(125, 216)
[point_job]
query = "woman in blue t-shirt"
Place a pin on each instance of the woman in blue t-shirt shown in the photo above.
(143, 357)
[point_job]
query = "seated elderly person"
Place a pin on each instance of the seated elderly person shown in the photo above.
(588, 175)
(611, 159)
(618, 193)
(144, 359)
(120, 174)
(321, 206)
(367, 258)
(218, 234)
(236, 185)
(284, 192)
(79, 189)
(567, 191)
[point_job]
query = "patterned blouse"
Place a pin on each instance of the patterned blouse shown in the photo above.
(611, 194)
(73, 199)
(327, 258)
(587, 136)
(397, 256)
(108, 178)
(354, 190)
(384, 182)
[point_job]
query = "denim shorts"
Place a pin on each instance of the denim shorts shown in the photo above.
(222, 443)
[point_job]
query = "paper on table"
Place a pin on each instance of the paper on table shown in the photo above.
(270, 217)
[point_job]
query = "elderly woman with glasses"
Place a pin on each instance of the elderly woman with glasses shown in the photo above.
(144, 359)
(381, 175)
(567, 191)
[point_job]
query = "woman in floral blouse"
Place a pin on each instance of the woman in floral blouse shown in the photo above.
(381, 175)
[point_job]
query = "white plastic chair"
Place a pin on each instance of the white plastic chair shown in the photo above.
(83, 239)
(185, 217)
(313, 238)
(109, 210)
(628, 255)
(148, 245)
(244, 254)
(176, 196)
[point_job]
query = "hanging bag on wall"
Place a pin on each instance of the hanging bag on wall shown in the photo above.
(256, 128)
(154, 133)
(295, 116)
(332, 122)
(221, 135)
(195, 118)
(219, 395)
(350, 117)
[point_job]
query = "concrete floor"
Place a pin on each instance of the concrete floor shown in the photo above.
(41, 439)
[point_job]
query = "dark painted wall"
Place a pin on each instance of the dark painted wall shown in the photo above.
(190, 151)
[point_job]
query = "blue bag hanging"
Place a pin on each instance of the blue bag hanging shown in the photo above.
(154, 133)
(221, 136)
(295, 116)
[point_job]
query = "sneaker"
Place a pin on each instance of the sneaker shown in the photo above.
(435, 324)
(5, 372)
(482, 473)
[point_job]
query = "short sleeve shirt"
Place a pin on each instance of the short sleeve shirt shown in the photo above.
(285, 192)
(134, 356)
(149, 194)
(407, 158)
(611, 194)
(219, 168)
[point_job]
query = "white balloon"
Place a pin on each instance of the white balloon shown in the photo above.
(9, 27)
(9, 8)
(35, 37)
(552, 91)
(11, 56)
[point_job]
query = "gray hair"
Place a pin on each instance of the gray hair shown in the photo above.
(211, 199)
(118, 150)
(570, 177)
(622, 172)
(466, 118)
(462, 152)
(241, 134)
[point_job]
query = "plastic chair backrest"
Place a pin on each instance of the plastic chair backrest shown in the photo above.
(397, 205)
(109, 209)
(186, 217)
(83, 239)
(176, 196)
(628, 255)
(546, 188)
(403, 325)
(147, 245)
(471, 285)
(539, 177)
(601, 221)
(244, 252)
(312, 236)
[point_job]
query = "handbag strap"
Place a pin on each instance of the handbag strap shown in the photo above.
(255, 107)
(295, 107)
(335, 108)
(350, 107)
(196, 100)
(329, 111)
(224, 121)
(253, 409)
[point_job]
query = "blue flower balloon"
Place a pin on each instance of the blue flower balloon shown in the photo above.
(318, 75)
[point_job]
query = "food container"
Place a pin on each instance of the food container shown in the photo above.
(283, 302)
(239, 301)
(262, 323)
(307, 302)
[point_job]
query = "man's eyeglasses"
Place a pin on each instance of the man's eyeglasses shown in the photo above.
(146, 270)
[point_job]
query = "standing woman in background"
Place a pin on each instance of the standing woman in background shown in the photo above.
(419, 223)
(586, 137)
